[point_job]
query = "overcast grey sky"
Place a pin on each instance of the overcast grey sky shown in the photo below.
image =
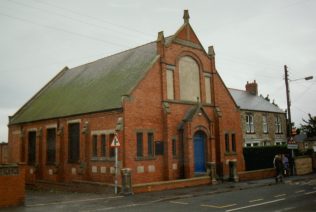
(253, 40)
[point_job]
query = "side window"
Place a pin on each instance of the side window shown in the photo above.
(278, 128)
(95, 146)
(233, 142)
(208, 95)
(150, 144)
(170, 85)
(103, 145)
(264, 124)
(73, 142)
(227, 142)
(139, 144)
(31, 147)
(112, 149)
(50, 145)
(249, 124)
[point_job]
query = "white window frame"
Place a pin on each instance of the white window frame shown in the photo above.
(250, 128)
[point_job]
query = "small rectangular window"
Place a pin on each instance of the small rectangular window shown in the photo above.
(264, 124)
(112, 149)
(174, 147)
(94, 146)
(233, 142)
(227, 142)
(208, 89)
(73, 142)
(103, 145)
(31, 147)
(51, 145)
(159, 148)
(249, 124)
(170, 88)
(139, 140)
(150, 144)
(278, 126)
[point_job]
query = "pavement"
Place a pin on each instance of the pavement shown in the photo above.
(53, 200)
(37, 198)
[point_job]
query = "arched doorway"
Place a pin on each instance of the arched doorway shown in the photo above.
(199, 152)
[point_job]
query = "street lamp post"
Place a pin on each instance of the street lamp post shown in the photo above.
(288, 101)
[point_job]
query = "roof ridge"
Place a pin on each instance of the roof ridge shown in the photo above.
(117, 53)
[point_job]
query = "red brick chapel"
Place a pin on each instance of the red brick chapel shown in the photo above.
(173, 115)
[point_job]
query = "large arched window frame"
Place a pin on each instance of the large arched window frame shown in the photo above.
(189, 77)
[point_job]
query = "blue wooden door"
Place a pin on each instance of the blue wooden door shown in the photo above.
(199, 153)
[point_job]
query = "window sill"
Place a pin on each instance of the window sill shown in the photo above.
(230, 153)
(145, 158)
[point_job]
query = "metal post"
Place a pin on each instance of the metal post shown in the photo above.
(116, 168)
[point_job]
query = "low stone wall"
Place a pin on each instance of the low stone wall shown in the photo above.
(12, 185)
(173, 184)
(303, 165)
(256, 174)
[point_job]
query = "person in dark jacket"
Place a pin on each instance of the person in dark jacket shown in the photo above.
(279, 168)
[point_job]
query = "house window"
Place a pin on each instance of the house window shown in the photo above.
(51, 145)
(278, 128)
(159, 148)
(94, 146)
(249, 124)
(233, 142)
(170, 87)
(139, 145)
(189, 75)
(103, 145)
(32, 147)
(264, 124)
(174, 147)
(227, 142)
(112, 149)
(207, 79)
(150, 144)
(73, 142)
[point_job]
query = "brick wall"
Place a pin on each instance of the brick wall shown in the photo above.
(12, 188)
(303, 165)
(4, 156)
(257, 174)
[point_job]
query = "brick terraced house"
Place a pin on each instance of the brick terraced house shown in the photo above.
(263, 122)
(165, 100)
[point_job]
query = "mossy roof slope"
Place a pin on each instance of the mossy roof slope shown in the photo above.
(92, 87)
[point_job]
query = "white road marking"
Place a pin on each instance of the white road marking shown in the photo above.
(255, 200)
(254, 205)
(312, 192)
(72, 201)
(300, 191)
(280, 195)
(218, 206)
(285, 209)
(181, 203)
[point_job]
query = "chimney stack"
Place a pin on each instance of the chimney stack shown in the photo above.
(186, 16)
(252, 88)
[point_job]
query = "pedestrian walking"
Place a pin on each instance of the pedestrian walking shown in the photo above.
(286, 165)
(279, 168)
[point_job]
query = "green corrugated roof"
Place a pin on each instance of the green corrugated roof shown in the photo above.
(92, 87)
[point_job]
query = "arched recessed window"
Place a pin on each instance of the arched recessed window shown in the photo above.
(189, 79)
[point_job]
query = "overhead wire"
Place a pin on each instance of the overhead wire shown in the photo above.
(107, 29)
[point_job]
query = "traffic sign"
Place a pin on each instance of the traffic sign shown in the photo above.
(115, 142)
(291, 144)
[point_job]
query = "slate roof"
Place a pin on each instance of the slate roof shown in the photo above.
(92, 87)
(247, 101)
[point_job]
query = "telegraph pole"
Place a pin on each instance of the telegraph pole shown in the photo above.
(289, 124)
(288, 101)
